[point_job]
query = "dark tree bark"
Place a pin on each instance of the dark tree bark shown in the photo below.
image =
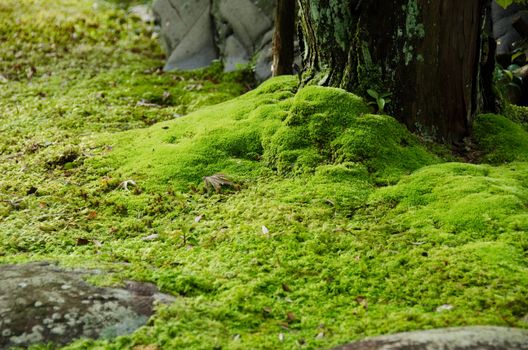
(434, 57)
(283, 37)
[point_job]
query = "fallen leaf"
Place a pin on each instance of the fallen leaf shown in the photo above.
(445, 307)
(124, 185)
(281, 337)
(145, 103)
(82, 241)
(30, 72)
(328, 201)
(216, 182)
(265, 230)
(151, 237)
(361, 300)
(193, 87)
(285, 326)
(198, 218)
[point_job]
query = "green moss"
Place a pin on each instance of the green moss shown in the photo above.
(312, 248)
(518, 114)
(500, 139)
(227, 139)
(456, 202)
(332, 126)
(414, 30)
(293, 135)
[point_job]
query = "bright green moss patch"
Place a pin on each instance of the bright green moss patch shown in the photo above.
(518, 114)
(227, 138)
(328, 125)
(340, 223)
(456, 202)
(269, 127)
(500, 139)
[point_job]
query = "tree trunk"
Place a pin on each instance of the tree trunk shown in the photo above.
(432, 56)
(283, 37)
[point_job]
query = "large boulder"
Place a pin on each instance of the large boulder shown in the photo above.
(186, 33)
(41, 303)
(194, 33)
(464, 338)
(504, 30)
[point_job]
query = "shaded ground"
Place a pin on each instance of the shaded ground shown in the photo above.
(338, 224)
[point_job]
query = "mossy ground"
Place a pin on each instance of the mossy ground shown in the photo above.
(340, 223)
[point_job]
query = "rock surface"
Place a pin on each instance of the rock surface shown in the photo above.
(503, 29)
(464, 338)
(42, 303)
(194, 33)
(186, 33)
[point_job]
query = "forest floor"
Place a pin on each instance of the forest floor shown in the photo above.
(283, 218)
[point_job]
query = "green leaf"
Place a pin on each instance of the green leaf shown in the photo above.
(516, 55)
(373, 93)
(504, 3)
(381, 104)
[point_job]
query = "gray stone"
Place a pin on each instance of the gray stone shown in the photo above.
(464, 338)
(243, 33)
(503, 30)
(186, 33)
(248, 22)
(234, 54)
(236, 31)
(58, 306)
(264, 62)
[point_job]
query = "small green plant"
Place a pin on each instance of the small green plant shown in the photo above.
(507, 81)
(380, 99)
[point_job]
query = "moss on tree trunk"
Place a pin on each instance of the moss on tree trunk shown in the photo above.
(432, 56)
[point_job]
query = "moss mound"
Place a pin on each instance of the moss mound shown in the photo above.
(455, 203)
(328, 125)
(500, 139)
(292, 133)
(226, 138)
(518, 114)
